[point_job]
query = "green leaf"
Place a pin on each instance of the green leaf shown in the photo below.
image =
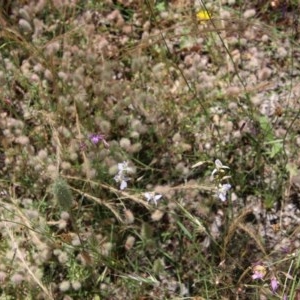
(276, 147)
(184, 229)
(266, 127)
(161, 6)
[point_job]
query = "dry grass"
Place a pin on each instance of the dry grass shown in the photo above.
(169, 94)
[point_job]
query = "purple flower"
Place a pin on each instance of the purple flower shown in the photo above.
(259, 272)
(274, 284)
(95, 138)
(257, 275)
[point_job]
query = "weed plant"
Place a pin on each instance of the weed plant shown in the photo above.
(149, 149)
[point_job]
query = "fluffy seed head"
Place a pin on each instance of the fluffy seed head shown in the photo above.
(25, 26)
(17, 278)
(2, 276)
(157, 215)
(129, 242)
(129, 216)
(125, 143)
(63, 194)
(249, 13)
(76, 285)
(64, 285)
(22, 140)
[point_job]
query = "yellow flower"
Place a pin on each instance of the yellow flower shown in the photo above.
(203, 15)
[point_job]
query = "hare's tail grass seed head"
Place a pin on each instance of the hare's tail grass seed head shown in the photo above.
(63, 194)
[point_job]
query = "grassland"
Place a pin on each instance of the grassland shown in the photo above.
(149, 149)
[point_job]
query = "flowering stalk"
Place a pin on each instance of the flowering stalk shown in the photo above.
(218, 175)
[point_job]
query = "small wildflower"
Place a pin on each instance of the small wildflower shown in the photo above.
(152, 197)
(274, 284)
(219, 168)
(257, 275)
(222, 191)
(259, 272)
(123, 167)
(96, 138)
(203, 15)
(123, 185)
(121, 176)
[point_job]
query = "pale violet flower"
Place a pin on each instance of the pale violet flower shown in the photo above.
(121, 176)
(274, 284)
(222, 191)
(259, 272)
(150, 196)
(218, 168)
(257, 275)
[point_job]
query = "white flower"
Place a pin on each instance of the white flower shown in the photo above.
(121, 176)
(124, 168)
(222, 191)
(150, 196)
(219, 167)
(123, 185)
